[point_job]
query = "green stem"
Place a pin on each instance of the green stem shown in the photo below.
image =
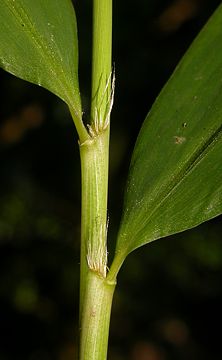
(101, 59)
(94, 162)
(95, 291)
(96, 318)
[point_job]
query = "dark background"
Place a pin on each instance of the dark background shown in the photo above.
(168, 300)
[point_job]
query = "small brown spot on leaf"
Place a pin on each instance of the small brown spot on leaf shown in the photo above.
(179, 140)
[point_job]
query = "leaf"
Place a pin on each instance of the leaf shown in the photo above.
(175, 177)
(38, 43)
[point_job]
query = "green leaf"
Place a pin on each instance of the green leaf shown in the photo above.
(175, 178)
(38, 43)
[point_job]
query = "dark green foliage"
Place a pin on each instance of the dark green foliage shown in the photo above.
(175, 179)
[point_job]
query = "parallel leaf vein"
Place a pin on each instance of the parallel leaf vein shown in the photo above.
(21, 16)
(202, 151)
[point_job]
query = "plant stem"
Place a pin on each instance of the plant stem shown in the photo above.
(95, 291)
(101, 58)
(94, 163)
(96, 318)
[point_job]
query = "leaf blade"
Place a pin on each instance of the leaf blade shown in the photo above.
(38, 43)
(178, 147)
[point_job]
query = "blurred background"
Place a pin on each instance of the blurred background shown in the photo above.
(167, 305)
